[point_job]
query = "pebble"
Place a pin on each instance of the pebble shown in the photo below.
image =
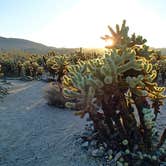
(85, 145)
(127, 151)
(97, 153)
(105, 145)
(86, 134)
(93, 143)
(113, 163)
(110, 157)
(117, 156)
(154, 157)
(162, 163)
(126, 164)
(110, 152)
(119, 163)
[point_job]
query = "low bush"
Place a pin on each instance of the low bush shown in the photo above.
(54, 96)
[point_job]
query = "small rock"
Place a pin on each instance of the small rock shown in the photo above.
(145, 155)
(126, 164)
(121, 159)
(162, 163)
(105, 145)
(154, 157)
(88, 119)
(93, 143)
(85, 145)
(110, 152)
(89, 127)
(86, 134)
(102, 148)
(113, 162)
(162, 150)
(110, 157)
(106, 157)
(117, 156)
(127, 151)
(119, 163)
(79, 140)
(97, 153)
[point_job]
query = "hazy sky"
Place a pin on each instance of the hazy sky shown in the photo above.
(75, 23)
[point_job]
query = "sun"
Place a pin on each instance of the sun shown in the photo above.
(109, 42)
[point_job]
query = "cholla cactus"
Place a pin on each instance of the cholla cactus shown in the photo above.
(39, 71)
(162, 69)
(49, 63)
(60, 66)
(106, 88)
(13, 63)
(56, 65)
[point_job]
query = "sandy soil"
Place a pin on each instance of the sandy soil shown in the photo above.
(35, 134)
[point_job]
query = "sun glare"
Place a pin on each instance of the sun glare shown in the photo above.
(109, 42)
(77, 28)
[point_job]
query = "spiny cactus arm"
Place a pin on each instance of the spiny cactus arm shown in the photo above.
(77, 85)
(121, 39)
(136, 65)
(156, 95)
(115, 64)
(121, 35)
(135, 82)
(153, 90)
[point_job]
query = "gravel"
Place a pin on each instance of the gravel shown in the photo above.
(35, 134)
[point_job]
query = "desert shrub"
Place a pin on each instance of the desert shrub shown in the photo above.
(108, 88)
(3, 90)
(54, 95)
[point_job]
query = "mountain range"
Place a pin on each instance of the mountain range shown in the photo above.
(9, 44)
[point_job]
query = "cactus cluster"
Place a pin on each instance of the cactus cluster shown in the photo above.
(31, 68)
(107, 88)
(21, 64)
(162, 70)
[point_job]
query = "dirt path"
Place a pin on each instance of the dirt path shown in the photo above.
(35, 134)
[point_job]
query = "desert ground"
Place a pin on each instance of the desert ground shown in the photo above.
(32, 133)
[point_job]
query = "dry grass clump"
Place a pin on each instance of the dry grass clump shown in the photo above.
(54, 95)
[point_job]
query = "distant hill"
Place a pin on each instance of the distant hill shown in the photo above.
(8, 44)
(163, 51)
